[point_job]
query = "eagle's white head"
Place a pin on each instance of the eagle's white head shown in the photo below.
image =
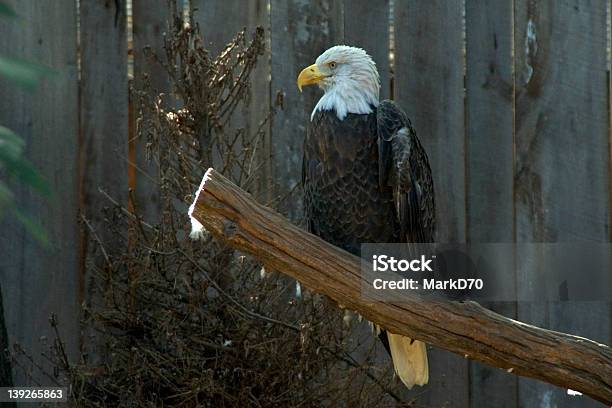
(349, 78)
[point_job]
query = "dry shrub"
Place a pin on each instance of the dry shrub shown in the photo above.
(175, 322)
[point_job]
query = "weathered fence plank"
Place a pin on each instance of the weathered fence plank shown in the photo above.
(301, 31)
(490, 177)
(366, 25)
(429, 86)
(36, 281)
(103, 133)
(149, 22)
(561, 169)
(429, 66)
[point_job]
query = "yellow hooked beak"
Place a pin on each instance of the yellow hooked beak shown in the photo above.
(309, 76)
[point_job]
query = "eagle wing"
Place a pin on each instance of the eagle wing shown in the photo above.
(404, 167)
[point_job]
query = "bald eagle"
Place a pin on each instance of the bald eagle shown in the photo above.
(365, 175)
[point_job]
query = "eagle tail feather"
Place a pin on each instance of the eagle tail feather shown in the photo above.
(409, 360)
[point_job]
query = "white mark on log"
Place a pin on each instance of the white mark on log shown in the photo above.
(298, 289)
(197, 229)
(531, 49)
(573, 393)
(262, 272)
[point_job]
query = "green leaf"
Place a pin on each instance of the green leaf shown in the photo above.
(26, 173)
(32, 227)
(8, 134)
(25, 74)
(11, 150)
(11, 143)
(6, 10)
(6, 197)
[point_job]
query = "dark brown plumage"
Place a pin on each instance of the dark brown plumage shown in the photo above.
(367, 179)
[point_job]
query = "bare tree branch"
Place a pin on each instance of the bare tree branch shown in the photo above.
(465, 328)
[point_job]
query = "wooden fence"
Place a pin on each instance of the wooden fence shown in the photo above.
(511, 99)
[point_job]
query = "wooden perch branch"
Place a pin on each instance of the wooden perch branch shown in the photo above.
(465, 328)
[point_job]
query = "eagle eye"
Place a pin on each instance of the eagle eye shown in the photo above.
(332, 64)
